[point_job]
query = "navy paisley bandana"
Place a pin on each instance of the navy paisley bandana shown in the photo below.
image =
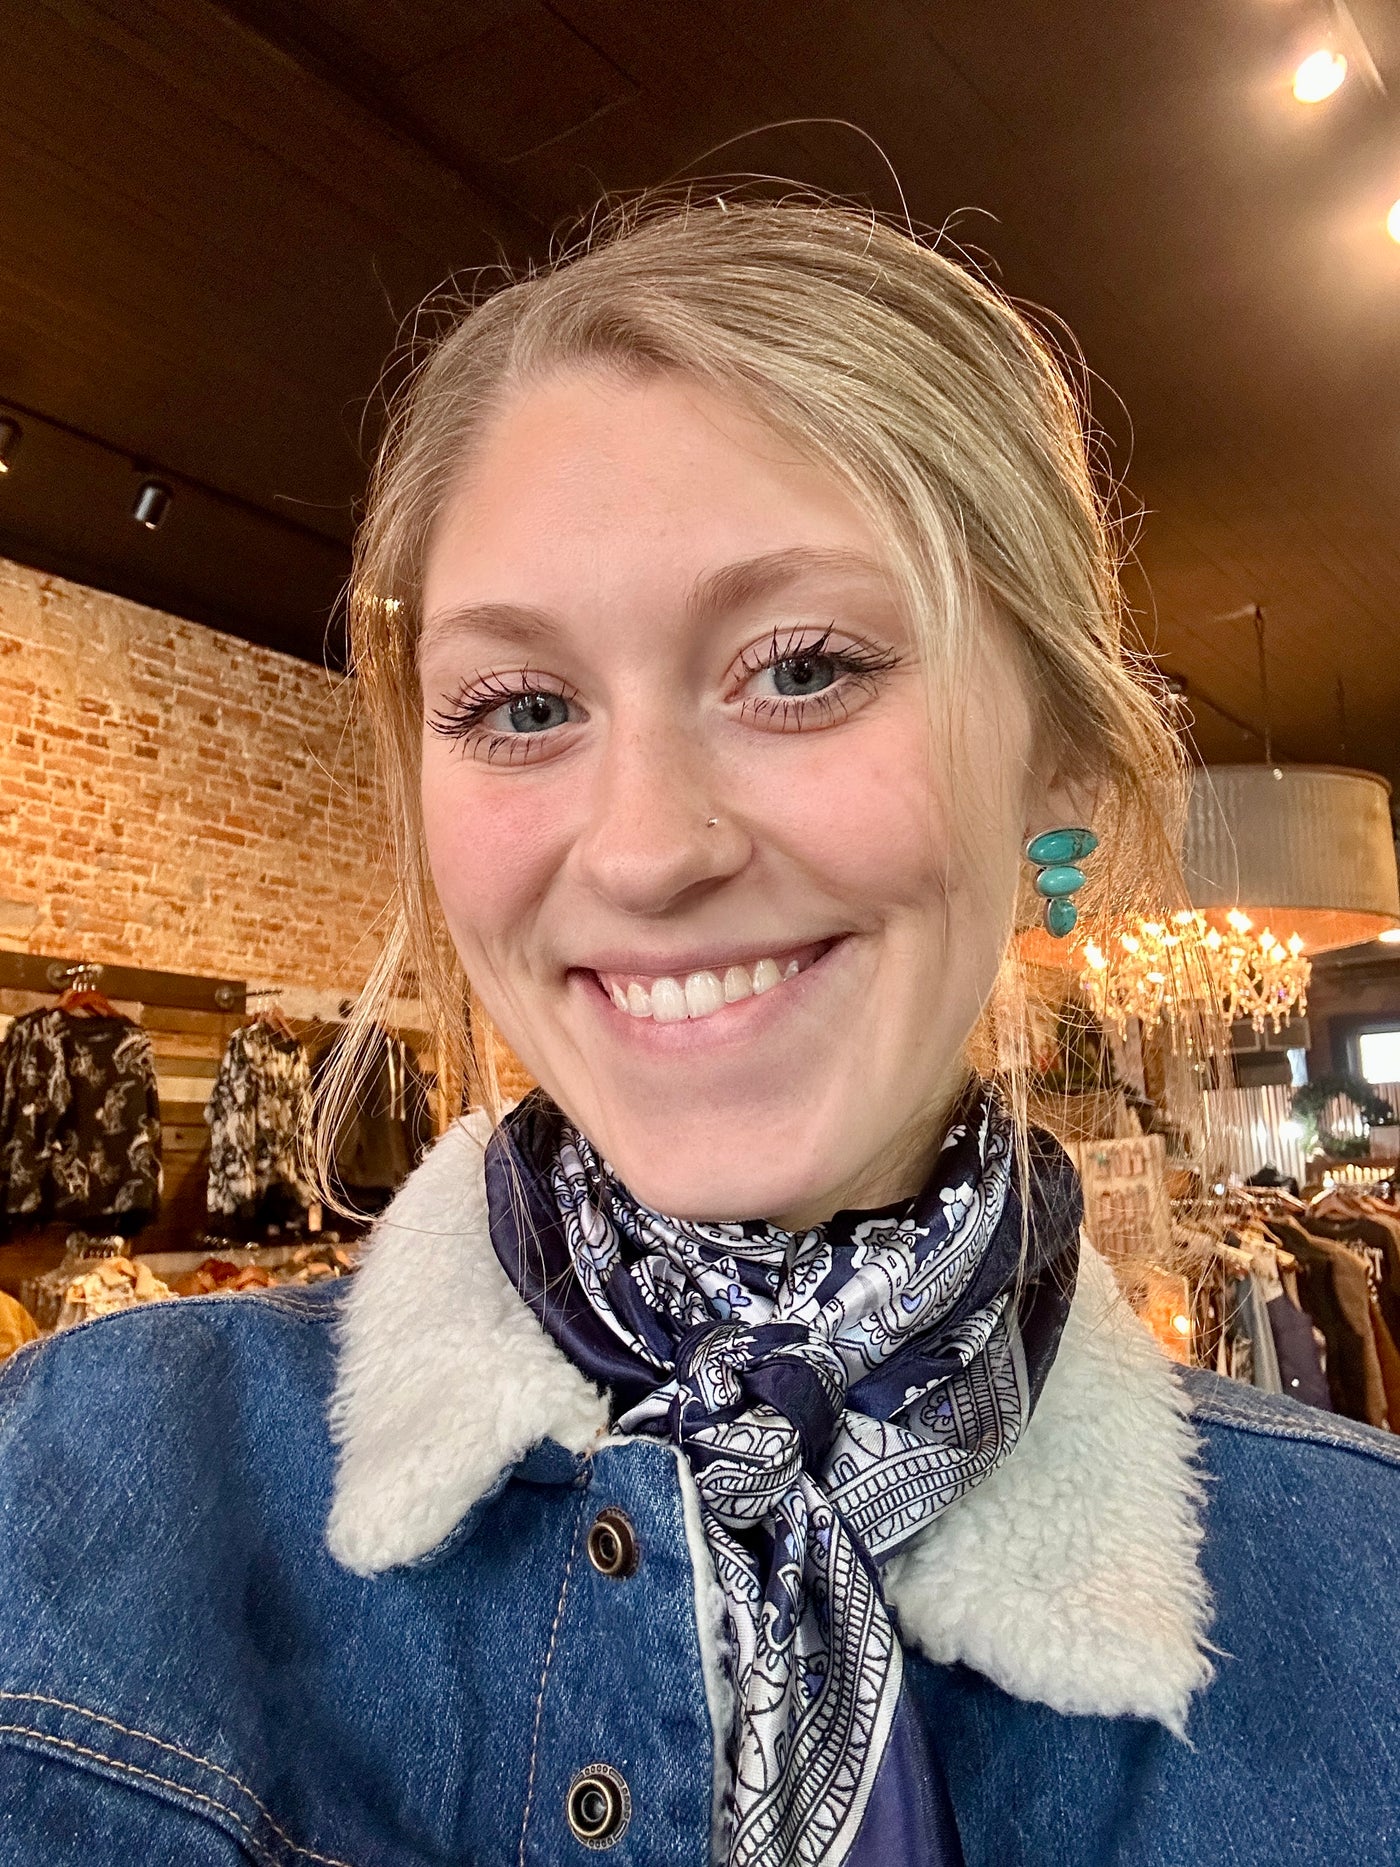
(833, 1391)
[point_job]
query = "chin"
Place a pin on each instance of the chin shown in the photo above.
(709, 1175)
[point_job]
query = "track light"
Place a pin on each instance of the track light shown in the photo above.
(153, 499)
(1319, 75)
(10, 435)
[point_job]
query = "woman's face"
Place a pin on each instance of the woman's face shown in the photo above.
(723, 889)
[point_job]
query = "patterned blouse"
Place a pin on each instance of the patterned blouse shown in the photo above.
(79, 1119)
(258, 1116)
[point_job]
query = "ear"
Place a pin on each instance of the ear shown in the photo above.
(1061, 793)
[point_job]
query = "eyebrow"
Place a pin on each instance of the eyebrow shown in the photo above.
(733, 586)
(751, 579)
(513, 623)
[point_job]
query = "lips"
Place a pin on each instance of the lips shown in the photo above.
(694, 994)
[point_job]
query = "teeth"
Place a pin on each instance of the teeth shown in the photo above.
(703, 994)
(669, 1001)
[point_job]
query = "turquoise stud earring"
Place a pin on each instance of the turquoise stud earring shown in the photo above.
(1056, 855)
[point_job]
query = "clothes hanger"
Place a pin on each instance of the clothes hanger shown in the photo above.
(271, 1014)
(82, 997)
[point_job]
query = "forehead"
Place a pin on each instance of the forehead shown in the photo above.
(592, 482)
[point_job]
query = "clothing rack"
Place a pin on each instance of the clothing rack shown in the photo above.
(42, 972)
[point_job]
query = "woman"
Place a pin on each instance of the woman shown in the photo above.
(738, 1457)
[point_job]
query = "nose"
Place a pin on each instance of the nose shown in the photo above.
(648, 845)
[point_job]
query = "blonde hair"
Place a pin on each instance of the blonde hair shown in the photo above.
(942, 410)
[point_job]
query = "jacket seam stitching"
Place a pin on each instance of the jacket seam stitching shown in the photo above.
(1223, 1414)
(544, 1681)
(290, 1312)
(176, 1750)
(150, 1776)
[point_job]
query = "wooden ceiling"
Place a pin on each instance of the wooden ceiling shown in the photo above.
(215, 218)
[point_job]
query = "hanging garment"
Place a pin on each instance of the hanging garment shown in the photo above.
(1388, 1355)
(1378, 1245)
(79, 1120)
(1351, 1275)
(1248, 1339)
(1300, 1370)
(258, 1118)
(1348, 1375)
(833, 1391)
(384, 1136)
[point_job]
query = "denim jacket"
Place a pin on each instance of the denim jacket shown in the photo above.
(314, 1579)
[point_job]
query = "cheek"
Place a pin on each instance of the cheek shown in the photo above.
(489, 848)
(861, 805)
(891, 823)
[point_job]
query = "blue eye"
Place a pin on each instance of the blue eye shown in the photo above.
(799, 675)
(502, 715)
(536, 713)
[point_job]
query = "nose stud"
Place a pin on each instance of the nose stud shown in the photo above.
(1055, 855)
(711, 822)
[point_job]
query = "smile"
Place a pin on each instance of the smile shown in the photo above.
(667, 998)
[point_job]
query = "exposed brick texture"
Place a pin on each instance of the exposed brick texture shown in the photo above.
(173, 798)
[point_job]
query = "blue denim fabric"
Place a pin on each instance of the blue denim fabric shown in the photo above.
(1294, 1758)
(187, 1677)
(177, 1642)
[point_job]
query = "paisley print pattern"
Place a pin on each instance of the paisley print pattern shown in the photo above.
(833, 1391)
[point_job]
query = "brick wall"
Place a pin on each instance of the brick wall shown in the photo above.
(173, 798)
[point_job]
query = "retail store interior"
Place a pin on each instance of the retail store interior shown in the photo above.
(217, 221)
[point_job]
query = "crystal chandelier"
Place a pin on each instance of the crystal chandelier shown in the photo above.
(1159, 971)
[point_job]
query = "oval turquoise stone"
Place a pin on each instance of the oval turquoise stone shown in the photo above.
(1061, 846)
(1060, 917)
(1060, 879)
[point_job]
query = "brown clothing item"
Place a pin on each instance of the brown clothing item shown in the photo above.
(1353, 1285)
(1378, 1242)
(1317, 1285)
(1389, 1357)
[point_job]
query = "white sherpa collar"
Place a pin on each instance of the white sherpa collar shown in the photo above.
(1070, 1576)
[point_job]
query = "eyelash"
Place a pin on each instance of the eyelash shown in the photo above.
(475, 700)
(858, 666)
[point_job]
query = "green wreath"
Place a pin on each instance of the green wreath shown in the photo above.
(1309, 1102)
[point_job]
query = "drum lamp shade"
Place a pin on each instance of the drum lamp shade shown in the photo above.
(1306, 849)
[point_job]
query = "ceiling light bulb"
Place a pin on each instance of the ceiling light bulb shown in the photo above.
(1320, 74)
(152, 503)
(1391, 937)
(1392, 223)
(10, 432)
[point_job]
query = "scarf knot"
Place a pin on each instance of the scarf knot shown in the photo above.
(752, 1406)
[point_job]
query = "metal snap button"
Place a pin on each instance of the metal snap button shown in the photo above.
(612, 1544)
(598, 1806)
